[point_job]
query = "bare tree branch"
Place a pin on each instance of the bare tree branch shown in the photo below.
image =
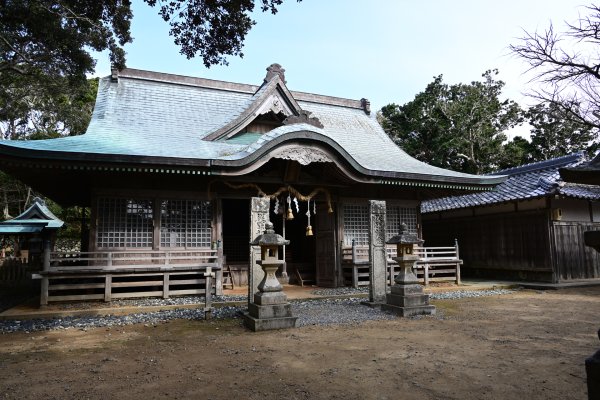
(566, 66)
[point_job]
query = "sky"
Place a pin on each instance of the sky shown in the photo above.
(384, 50)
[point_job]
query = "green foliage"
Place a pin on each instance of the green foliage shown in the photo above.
(460, 127)
(516, 152)
(556, 133)
(34, 115)
(212, 29)
(72, 217)
(14, 196)
(44, 55)
(45, 52)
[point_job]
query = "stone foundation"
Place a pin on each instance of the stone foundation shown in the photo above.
(408, 300)
(270, 310)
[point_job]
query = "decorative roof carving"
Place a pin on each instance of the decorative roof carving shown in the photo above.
(366, 106)
(276, 104)
(303, 118)
(274, 70)
(303, 155)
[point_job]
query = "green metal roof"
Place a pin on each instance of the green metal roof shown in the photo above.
(244, 138)
(33, 220)
(15, 229)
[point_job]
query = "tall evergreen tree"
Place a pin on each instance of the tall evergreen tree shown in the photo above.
(556, 133)
(459, 126)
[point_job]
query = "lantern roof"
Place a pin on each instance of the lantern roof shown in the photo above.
(269, 238)
(404, 237)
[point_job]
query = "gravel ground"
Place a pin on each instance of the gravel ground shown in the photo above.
(309, 312)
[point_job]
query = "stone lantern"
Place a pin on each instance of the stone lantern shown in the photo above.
(407, 297)
(270, 309)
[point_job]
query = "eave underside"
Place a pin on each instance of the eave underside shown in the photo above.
(72, 183)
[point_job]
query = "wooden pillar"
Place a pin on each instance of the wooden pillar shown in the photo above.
(166, 284)
(45, 267)
(44, 291)
(259, 215)
(46, 255)
(208, 276)
(108, 288)
(377, 256)
(284, 274)
(219, 274)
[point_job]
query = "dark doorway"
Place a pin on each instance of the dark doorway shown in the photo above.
(300, 254)
(236, 230)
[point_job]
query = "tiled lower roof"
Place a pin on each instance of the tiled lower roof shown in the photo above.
(529, 181)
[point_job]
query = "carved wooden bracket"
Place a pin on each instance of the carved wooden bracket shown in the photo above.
(303, 155)
(303, 118)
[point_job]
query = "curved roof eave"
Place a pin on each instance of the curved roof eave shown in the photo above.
(248, 159)
(54, 155)
(301, 135)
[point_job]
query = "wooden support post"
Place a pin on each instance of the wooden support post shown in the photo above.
(108, 288)
(46, 262)
(109, 260)
(44, 291)
(166, 282)
(355, 276)
(208, 275)
(219, 275)
(458, 262)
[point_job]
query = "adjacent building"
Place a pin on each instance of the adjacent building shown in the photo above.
(529, 228)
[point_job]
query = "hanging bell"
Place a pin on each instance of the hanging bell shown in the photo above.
(309, 231)
(330, 209)
(290, 214)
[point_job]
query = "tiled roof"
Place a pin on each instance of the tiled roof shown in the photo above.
(152, 115)
(587, 173)
(526, 182)
(34, 219)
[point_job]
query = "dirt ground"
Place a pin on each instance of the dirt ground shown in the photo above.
(527, 345)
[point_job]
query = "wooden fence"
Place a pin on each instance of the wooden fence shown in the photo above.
(434, 264)
(125, 274)
(14, 271)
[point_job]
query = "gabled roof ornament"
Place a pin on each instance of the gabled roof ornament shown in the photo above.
(366, 106)
(303, 118)
(274, 70)
(114, 74)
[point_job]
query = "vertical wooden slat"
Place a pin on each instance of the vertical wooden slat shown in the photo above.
(208, 293)
(44, 292)
(166, 283)
(108, 288)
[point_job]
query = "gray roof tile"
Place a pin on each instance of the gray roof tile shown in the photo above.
(525, 182)
(142, 115)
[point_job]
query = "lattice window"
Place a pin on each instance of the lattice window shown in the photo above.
(396, 215)
(356, 224)
(185, 223)
(124, 222)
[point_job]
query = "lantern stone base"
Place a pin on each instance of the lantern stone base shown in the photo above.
(408, 300)
(268, 324)
(269, 311)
